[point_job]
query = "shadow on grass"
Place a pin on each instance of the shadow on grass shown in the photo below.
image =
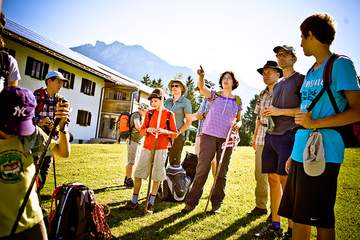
(157, 230)
(230, 230)
(119, 214)
(110, 188)
(251, 232)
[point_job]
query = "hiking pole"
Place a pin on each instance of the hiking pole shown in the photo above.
(37, 170)
(153, 151)
(218, 167)
(54, 170)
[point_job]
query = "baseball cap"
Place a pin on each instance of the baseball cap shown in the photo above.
(55, 74)
(157, 93)
(313, 155)
(17, 110)
(286, 48)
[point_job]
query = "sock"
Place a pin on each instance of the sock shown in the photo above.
(289, 231)
(134, 198)
(152, 199)
(275, 225)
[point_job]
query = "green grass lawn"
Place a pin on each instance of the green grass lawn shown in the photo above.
(101, 167)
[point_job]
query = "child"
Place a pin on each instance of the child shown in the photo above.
(20, 139)
(166, 131)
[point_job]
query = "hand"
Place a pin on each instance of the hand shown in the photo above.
(236, 125)
(288, 165)
(62, 112)
(271, 111)
(253, 143)
(151, 131)
(304, 119)
(162, 131)
(200, 116)
(45, 122)
(201, 72)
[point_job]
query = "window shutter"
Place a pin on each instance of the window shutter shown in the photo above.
(28, 67)
(93, 88)
(88, 119)
(45, 70)
(82, 85)
(72, 79)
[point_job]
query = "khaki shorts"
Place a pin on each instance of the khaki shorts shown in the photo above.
(132, 148)
(142, 168)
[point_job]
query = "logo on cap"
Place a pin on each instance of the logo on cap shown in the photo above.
(20, 112)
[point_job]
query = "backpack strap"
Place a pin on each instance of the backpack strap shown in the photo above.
(326, 84)
(5, 67)
(237, 98)
(40, 104)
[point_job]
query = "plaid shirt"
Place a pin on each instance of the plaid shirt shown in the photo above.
(49, 106)
(263, 102)
(204, 108)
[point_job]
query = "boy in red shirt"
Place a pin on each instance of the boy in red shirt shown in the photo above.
(166, 132)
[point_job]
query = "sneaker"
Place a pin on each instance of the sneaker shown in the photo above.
(215, 210)
(150, 209)
(187, 209)
(269, 233)
(131, 205)
(258, 211)
(128, 182)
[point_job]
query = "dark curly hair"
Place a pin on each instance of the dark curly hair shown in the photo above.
(235, 82)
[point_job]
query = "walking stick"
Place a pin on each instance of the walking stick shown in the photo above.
(153, 154)
(218, 168)
(54, 170)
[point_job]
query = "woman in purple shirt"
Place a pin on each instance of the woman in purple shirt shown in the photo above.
(224, 113)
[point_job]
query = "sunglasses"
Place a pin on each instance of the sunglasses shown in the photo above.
(175, 85)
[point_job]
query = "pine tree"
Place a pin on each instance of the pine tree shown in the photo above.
(248, 123)
(146, 80)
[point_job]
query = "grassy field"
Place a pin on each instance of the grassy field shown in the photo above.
(101, 167)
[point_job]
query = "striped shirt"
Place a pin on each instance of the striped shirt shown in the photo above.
(264, 101)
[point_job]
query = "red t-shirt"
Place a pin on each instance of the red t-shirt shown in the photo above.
(163, 139)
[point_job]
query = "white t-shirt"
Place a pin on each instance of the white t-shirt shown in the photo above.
(14, 73)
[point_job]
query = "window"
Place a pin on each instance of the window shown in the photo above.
(116, 94)
(68, 76)
(36, 69)
(88, 87)
(83, 118)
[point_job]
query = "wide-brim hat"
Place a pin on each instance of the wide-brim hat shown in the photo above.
(55, 74)
(287, 48)
(313, 155)
(17, 111)
(180, 79)
(157, 93)
(273, 65)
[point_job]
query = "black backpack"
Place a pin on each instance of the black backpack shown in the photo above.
(350, 133)
(178, 180)
(75, 214)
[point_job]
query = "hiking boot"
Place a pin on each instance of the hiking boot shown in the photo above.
(150, 209)
(187, 209)
(128, 182)
(258, 211)
(215, 210)
(269, 233)
(131, 205)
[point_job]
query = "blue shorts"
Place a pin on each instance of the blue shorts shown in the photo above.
(277, 150)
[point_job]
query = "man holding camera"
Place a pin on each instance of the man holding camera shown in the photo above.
(47, 99)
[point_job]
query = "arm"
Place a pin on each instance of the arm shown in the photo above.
(62, 148)
(253, 142)
(351, 115)
(187, 123)
(142, 129)
(172, 132)
(274, 111)
(202, 88)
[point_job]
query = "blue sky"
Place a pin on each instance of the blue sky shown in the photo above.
(219, 35)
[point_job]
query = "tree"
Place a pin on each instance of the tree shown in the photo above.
(156, 83)
(248, 123)
(146, 80)
(191, 93)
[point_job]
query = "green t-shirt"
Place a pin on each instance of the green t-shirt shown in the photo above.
(16, 171)
(179, 108)
(135, 135)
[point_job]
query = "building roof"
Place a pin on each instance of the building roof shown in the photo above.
(18, 32)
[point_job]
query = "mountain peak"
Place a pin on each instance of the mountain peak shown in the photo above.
(100, 44)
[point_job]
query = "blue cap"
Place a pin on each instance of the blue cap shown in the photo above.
(55, 74)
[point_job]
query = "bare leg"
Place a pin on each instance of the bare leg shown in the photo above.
(325, 233)
(137, 186)
(301, 231)
(155, 187)
(275, 195)
(129, 170)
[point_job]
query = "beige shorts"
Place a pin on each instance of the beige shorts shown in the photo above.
(132, 149)
(142, 168)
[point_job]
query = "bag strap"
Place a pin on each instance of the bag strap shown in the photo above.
(326, 84)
